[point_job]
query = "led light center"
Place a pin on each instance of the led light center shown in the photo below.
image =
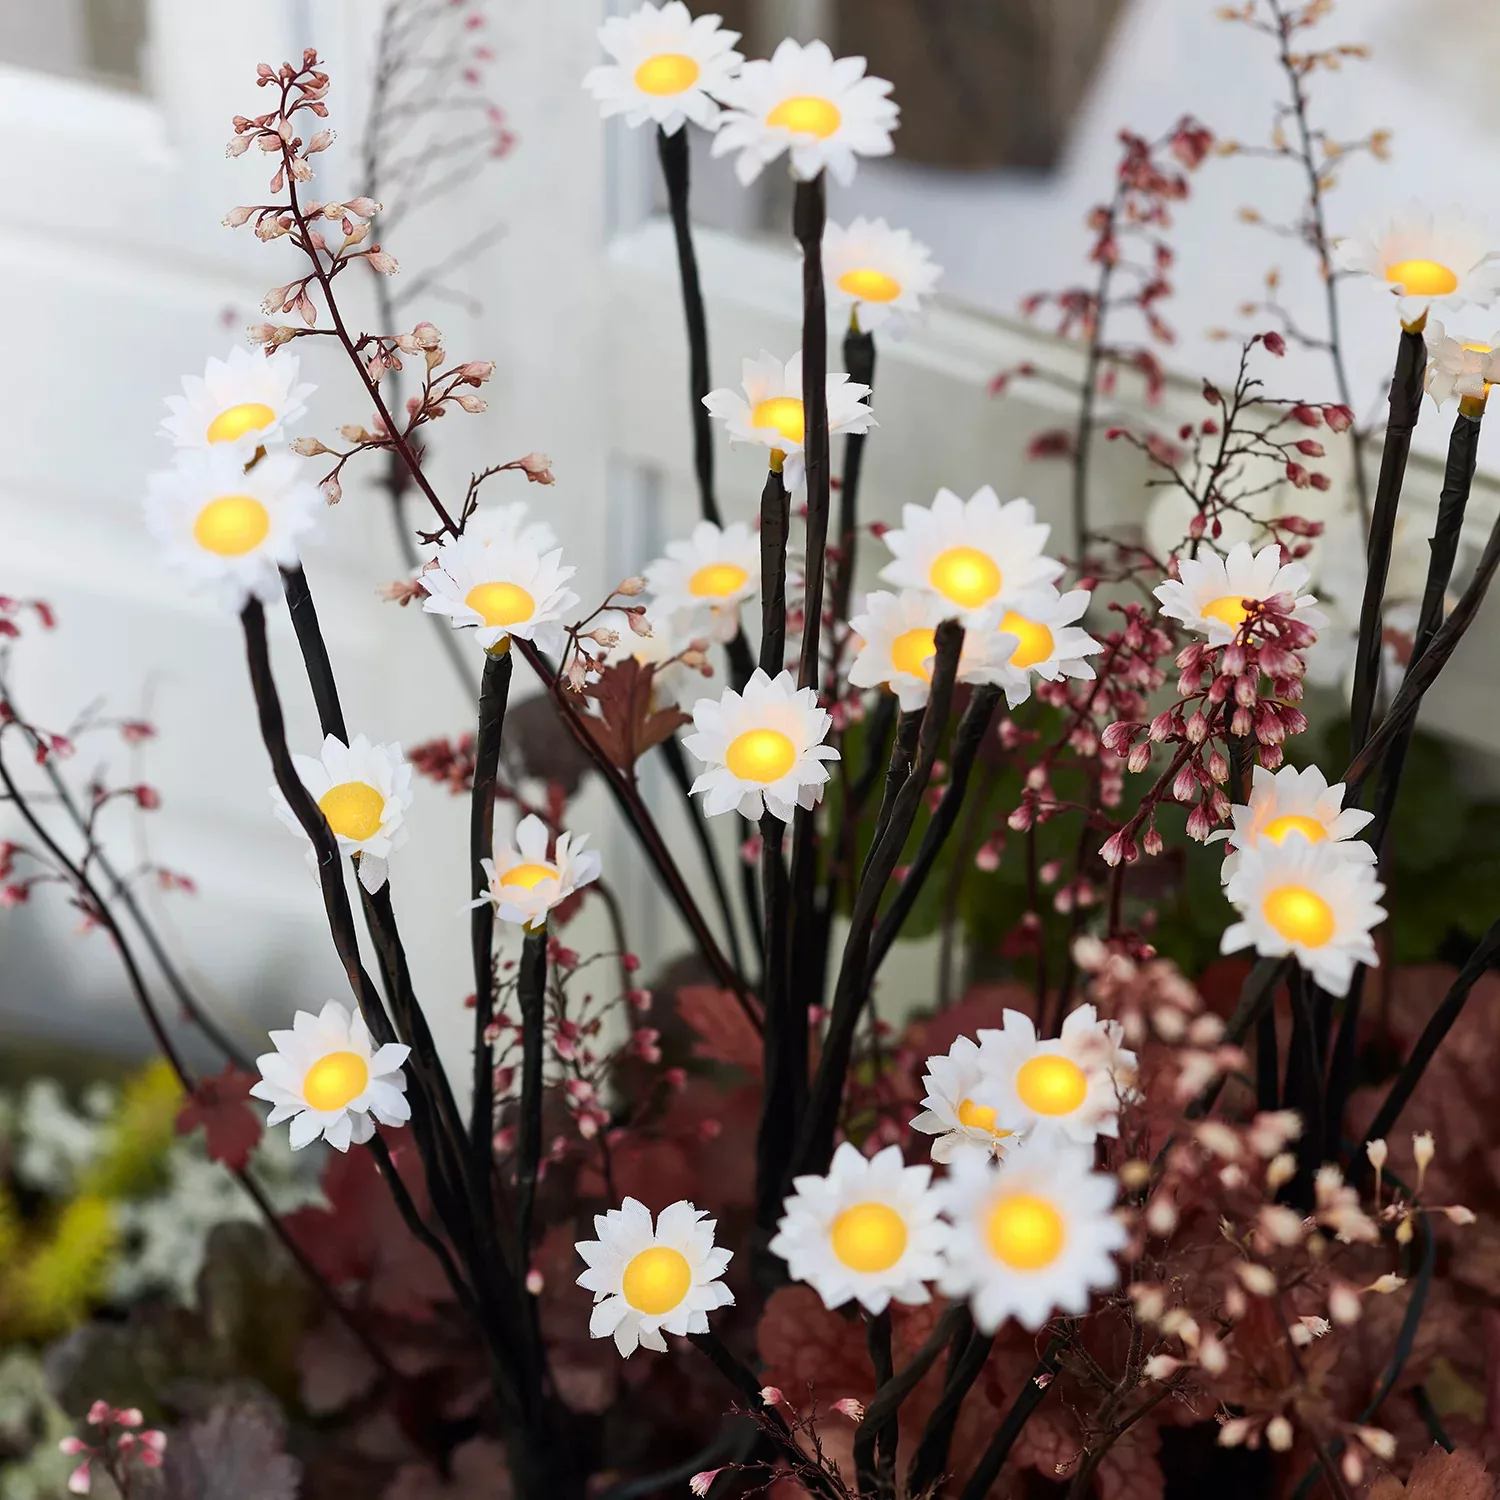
(353, 809)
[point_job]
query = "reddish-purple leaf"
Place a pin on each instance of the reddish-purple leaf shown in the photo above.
(221, 1105)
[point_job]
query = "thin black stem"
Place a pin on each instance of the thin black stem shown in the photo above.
(966, 742)
(815, 1145)
(859, 361)
(809, 216)
(1304, 1086)
(878, 1342)
(1405, 405)
(932, 1450)
(494, 695)
(532, 996)
(673, 152)
(677, 768)
(1042, 1378)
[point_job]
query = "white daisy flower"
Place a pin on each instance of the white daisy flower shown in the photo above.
(1427, 260)
(1457, 367)
(667, 67)
(824, 111)
(1210, 592)
(977, 554)
(1030, 1238)
(227, 532)
(647, 1280)
(328, 1080)
(868, 1230)
(770, 411)
(363, 792)
(1311, 900)
(764, 751)
(1067, 1087)
(1048, 641)
(898, 641)
(524, 884)
(1290, 801)
(876, 271)
(959, 1111)
(501, 588)
(509, 526)
(239, 404)
(703, 581)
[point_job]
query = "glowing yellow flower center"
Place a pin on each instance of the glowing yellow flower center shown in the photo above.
(501, 603)
(667, 73)
(656, 1280)
(966, 576)
(353, 809)
(1035, 639)
(807, 114)
(1479, 348)
(910, 650)
(979, 1117)
(1229, 609)
(334, 1080)
(717, 580)
(783, 414)
(238, 420)
(869, 1237)
(529, 877)
(1025, 1232)
(1051, 1085)
(1278, 828)
(870, 285)
(763, 755)
(1422, 278)
(232, 525)
(1299, 915)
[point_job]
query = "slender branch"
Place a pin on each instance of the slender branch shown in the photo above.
(816, 1142)
(932, 1450)
(878, 1341)
(1405, 404)
(494, 694)
(859, 361)
(988, 1469)
(532, 995)
(673, 152)
(966, 742)
(809, 215)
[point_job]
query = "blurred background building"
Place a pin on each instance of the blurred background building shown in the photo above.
(118, 278)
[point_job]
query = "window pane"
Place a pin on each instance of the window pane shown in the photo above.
(97, 39)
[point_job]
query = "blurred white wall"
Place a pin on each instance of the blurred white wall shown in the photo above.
(117, 278)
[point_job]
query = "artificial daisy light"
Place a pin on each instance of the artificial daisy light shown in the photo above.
(239, 404)
(363, 791)
(1290, 802)
(764, 749)
(868, 1231)
(501, 588)
(648, 1279)
(701, 582)
(1029, 1238)
(1067, 1087)
(976, 554)
(228, 532)
(958, 1108)
(877, 272)
(822, 110)
(1458, 367)
(898, 640)
(668, 68)
(1315, 901)
(1212, 594)
(525, 882)
(1049, 641)
(770, 412)
(328, 1080)
(1426, 260)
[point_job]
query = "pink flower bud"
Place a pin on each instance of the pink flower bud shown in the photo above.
(1184, 784)
(1139, 757)
(382, 261)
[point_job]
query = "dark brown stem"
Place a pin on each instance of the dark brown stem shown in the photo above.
(808, 219)
(878, 1341)
(1042, 1378)
(494, 695)
(859, 361)
(531, 990)
(673, 151)
(932, 1450)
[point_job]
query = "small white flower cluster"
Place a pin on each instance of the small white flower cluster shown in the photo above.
(1022, 1239)
(1303, 884)
(982, 563)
